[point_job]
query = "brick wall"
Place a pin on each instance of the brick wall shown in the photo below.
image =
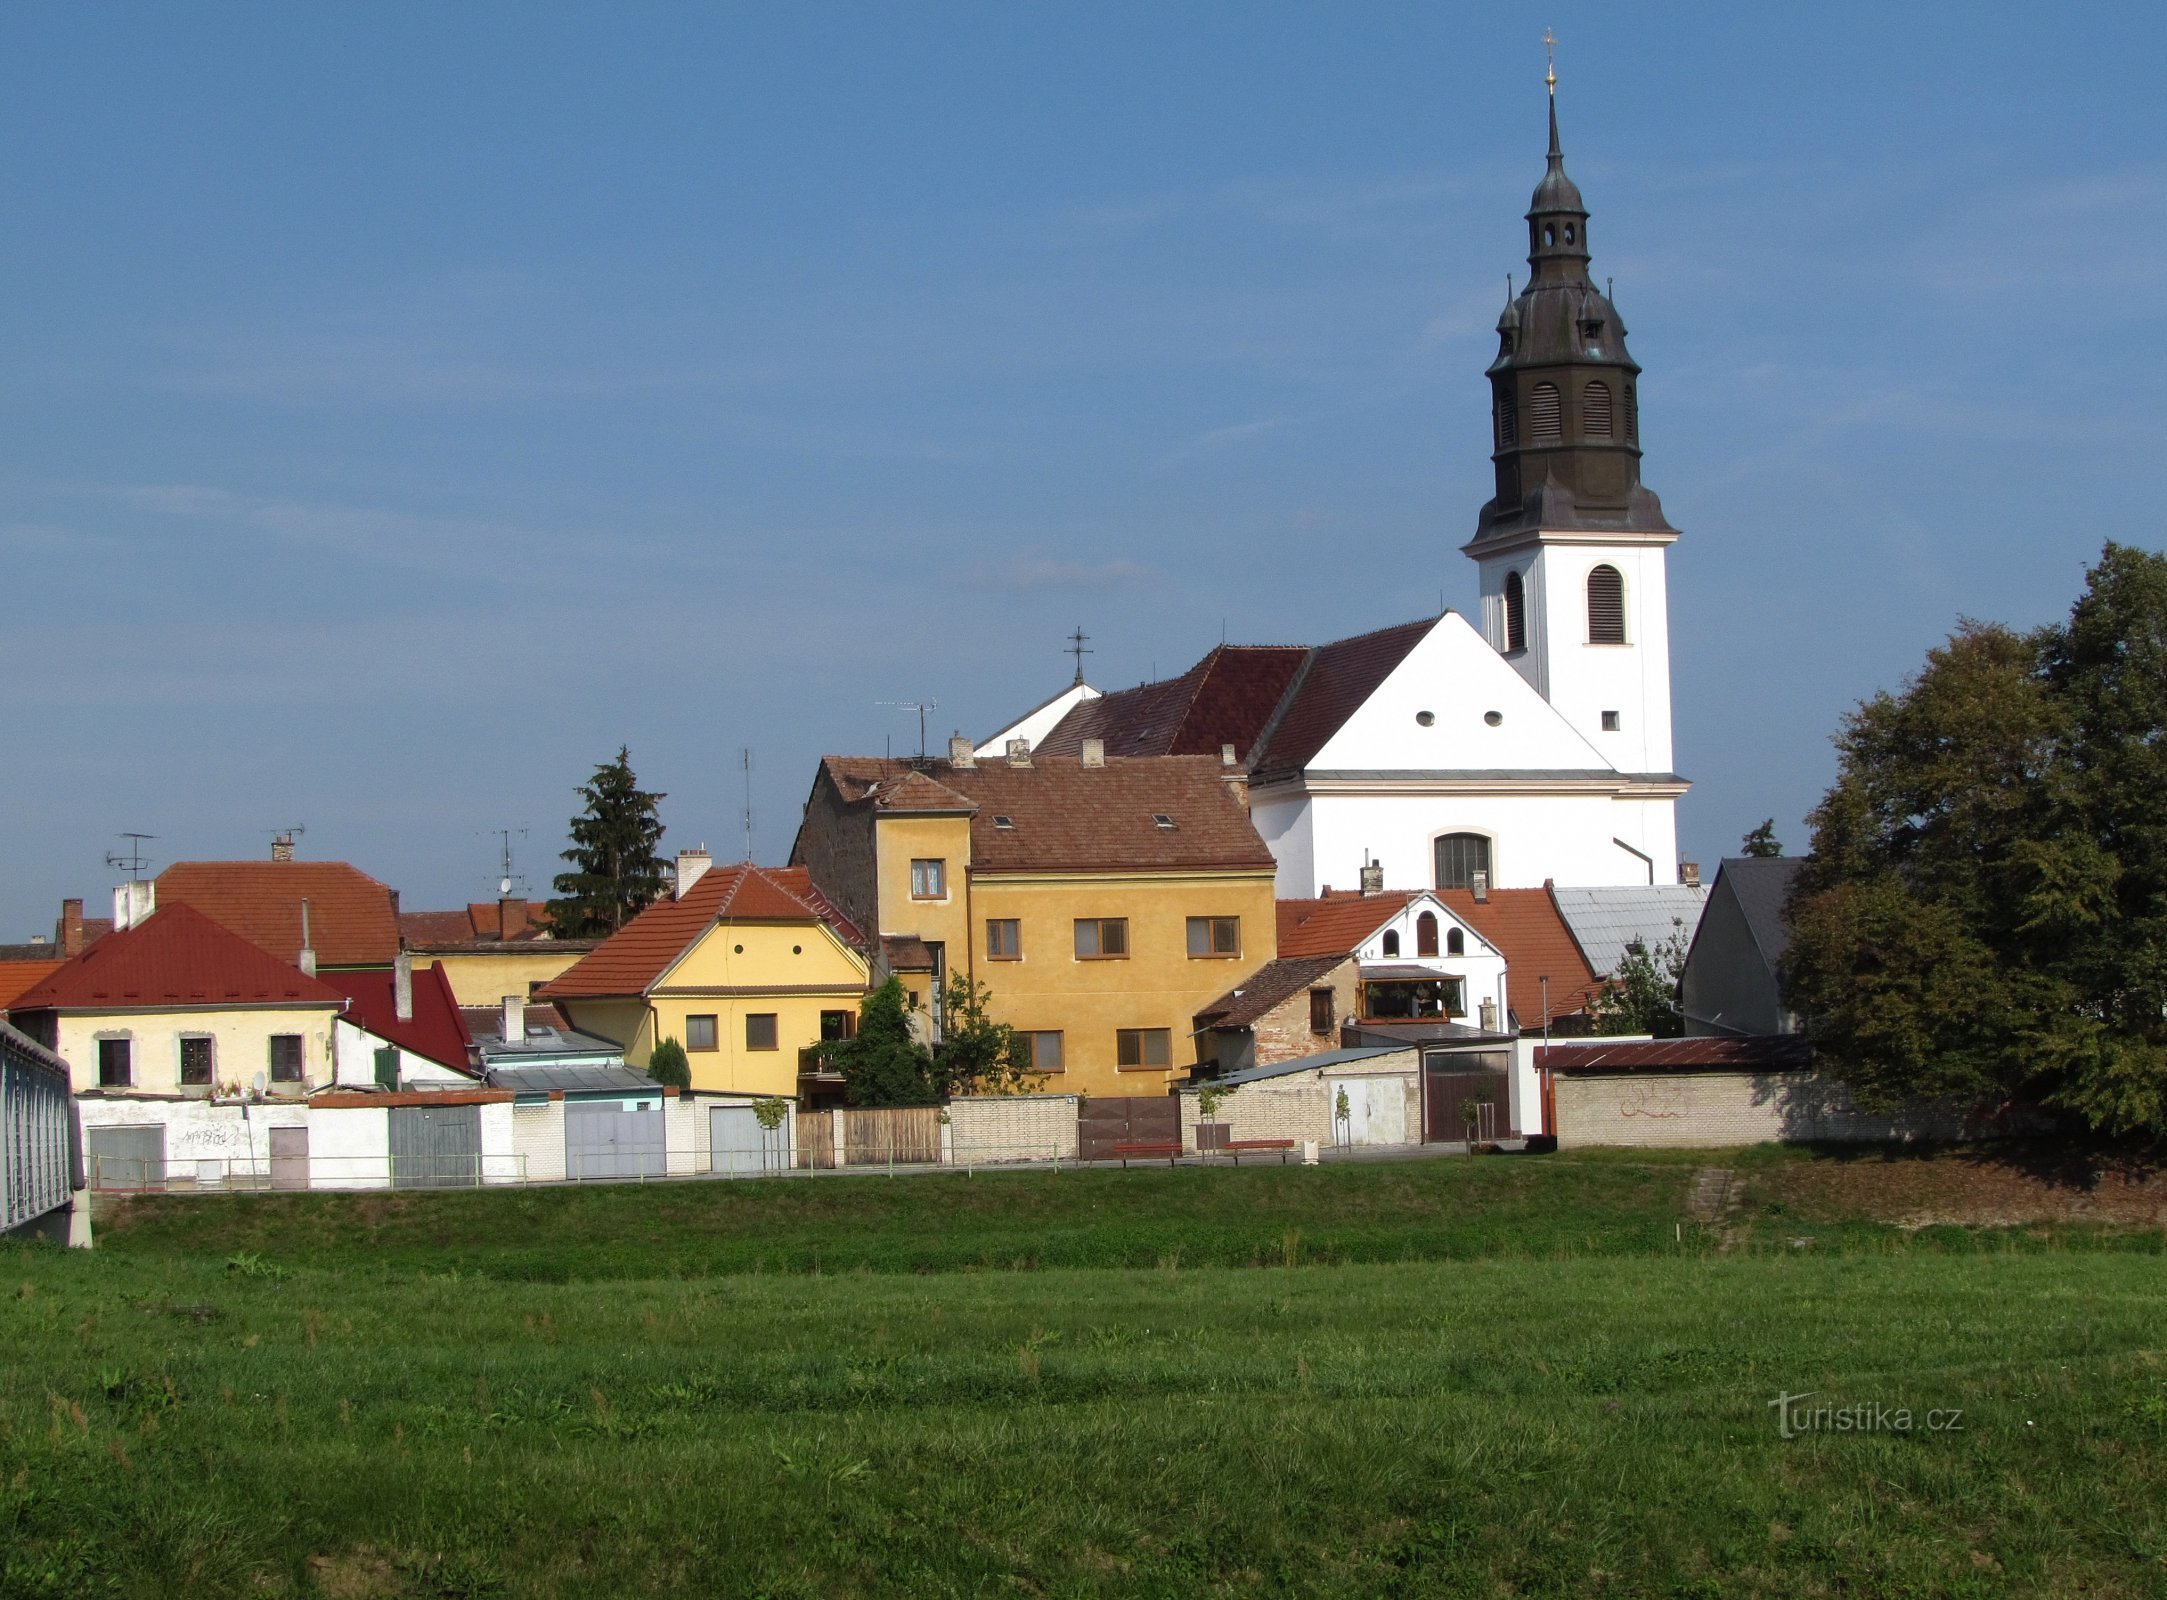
(1703, 1109)
(835, 844)
(1282, 1033)
(1012, 1127)
(538, 1136)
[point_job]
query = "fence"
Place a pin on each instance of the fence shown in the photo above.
(37, 1131)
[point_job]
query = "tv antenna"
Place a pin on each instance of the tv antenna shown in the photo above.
(131, 861)
(508, 877)
(919, 706)
(1076, 643)
(744, 760)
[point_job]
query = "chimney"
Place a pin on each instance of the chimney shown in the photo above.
(132, 902)
(1489, 1016)
(1480, 883)
(1226, 755)
(1373, 877)
(282, 847)
(960, 753)
(1019, 752)
(307, 963)
(692, 866)
(1094, 752)
(69, 935)
(513, 1029)
(402, 987)
(511, 916)
(1689, 874)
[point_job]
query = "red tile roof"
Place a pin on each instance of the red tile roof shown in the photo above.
(436, 1030)
(1532, 935)
(353, 919)
(177, 956)
(1334, 683)
(18, 977)
(631, 959)
(1336, 924)
(429, 930)
(483, 922)
(1064, 815)
(1226, 698)
(1763, 1054)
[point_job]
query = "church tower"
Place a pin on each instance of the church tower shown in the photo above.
(1571, 548)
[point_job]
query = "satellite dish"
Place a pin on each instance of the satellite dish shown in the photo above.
(504, 886)
(259, 1083)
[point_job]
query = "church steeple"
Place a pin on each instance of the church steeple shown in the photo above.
(1565, 411)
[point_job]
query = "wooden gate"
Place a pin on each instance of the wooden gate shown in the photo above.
(289, 1158)
(1452, 1081)
(816, 1138)
(879, 1136)
(436, 1147)
(1106, 1121)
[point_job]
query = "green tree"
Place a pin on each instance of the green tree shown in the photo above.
(668, 1066)
(1642, 995)
(977, 1055)
(1984, 916)
(885, 1065)
(1762, 841)
(616, 871)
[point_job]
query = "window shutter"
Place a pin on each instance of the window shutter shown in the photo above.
(1545, 418)
(1515, 613)
(1595, 407)
(1508, 416)
(1606, 606)
(1632, 416)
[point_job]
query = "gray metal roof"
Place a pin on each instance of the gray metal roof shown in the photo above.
(544, 1041)
(1605, 921)
(1330, 1058)
(572, 1080)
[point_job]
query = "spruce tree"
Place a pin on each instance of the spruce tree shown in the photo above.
(616, 871)
(1762, 842)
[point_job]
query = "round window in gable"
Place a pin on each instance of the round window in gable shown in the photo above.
(1425, 719)
(1493, 718)
(797, 949)
(738, 949)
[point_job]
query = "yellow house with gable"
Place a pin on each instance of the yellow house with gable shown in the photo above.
(744, 966)
(1101, 902)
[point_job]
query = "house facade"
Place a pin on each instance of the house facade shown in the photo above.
(746, 967)
(1101, 901)
(490, 949)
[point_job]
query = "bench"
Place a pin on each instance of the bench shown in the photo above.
(1235, 1147)
(1169, 1148)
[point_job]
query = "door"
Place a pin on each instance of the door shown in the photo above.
(612, 1139)
(289, 1158)
(436, 1147)
(1126, 1119)
(736, 1143)
(126, 1158)
(1465, 1093)
(1376, 1110)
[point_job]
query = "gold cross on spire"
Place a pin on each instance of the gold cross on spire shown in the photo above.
(1550, 50)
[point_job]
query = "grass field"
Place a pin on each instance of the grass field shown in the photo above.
(1488, 1377)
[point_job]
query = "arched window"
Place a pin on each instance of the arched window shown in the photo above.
(1508, 416)
(1545, 415)
(1595, 410)
(1515, 613)
(1459, 857)
(1455, 942)
(1392, 941)
(1632, 417)
(1606, 606)
(1426, 934)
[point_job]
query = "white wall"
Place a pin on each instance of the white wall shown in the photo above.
(240, 1046)
(1567, 838)
(1481, 968)
(354, 1048)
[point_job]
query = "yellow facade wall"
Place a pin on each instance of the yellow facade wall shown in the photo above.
(1158, 985)
(485, 977)
(902, 840)
(240, 1047)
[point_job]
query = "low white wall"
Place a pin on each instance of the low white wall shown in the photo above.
(354, 1052)
(1011, 1127)
(350, 1148)
(538, 1140)
(1708, 1109)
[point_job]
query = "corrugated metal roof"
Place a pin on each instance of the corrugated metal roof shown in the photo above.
(1329, 1058)
(1758, 1054)
(1605, 921)
(572, 1080)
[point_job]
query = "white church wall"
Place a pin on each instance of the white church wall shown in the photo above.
(1563, 838)
(1283, 822)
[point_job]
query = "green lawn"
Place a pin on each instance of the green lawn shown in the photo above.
(1517, 1378)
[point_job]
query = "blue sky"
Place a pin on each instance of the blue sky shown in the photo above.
(402, 406)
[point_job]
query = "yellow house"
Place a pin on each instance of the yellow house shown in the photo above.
(490, 949)
(1101, 902)
(744, 966)
(178, 1007)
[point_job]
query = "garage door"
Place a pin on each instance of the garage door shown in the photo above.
(737, 1143)
(126, 1158)
(1376, 1110)
(612, 1139)
(436, 1147)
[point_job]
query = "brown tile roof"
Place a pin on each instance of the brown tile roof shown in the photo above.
(353, 920)
(19, 977)
(1337, 924)
(1335, 681)
(428, 930)
(1065, 815)
(1531, 933)
(1270, 985)
(1226, 698)
(632, 958)
(1764, 1054)
(905, 952)
(177, 956)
